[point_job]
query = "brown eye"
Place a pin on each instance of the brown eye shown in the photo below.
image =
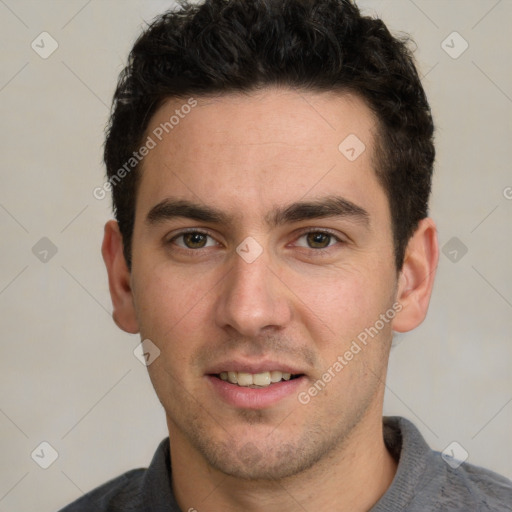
(318, 240)
(193, 240)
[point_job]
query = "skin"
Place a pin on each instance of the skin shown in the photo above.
(302, 301)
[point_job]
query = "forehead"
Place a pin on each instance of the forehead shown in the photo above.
(237, 151)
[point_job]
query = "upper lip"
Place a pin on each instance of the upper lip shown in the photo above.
(238, 365)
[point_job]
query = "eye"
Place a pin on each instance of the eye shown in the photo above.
(317, 240)
(193, 240)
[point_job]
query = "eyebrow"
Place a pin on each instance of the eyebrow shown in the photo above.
(330, 206)
(169, 209)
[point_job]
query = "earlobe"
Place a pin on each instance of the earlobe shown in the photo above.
(118, 279)
(416, 278)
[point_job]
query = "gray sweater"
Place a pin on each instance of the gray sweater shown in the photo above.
(424, 482)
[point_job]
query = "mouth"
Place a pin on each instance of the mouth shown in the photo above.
(261, 388)
(256, 380)
(262, 384)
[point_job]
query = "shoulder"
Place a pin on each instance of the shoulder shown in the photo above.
(123, 493)
(135, 490)
(428, 480)
(486, 488)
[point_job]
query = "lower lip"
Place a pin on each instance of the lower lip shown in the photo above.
(255, 398)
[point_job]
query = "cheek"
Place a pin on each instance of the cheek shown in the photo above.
(169, 303)
(338, 307)
(171, 312)
(336, 295)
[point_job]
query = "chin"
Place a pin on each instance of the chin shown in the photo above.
(263, 459)
(250, 463)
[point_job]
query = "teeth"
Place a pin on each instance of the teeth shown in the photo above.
(276, 376)
(244, 379)
(262, 379)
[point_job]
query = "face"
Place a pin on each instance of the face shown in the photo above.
(262, 252)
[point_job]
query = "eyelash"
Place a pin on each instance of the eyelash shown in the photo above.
(322, 232)
(302, 234)
(190, 232)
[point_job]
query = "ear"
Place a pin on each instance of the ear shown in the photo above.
(118, 278)
(416, 278)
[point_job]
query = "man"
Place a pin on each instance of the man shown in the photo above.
(270, 163)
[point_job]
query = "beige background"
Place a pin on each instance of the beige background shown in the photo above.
(69, 376)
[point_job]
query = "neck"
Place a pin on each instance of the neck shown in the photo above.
(354, 476)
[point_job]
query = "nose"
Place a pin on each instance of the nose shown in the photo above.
(253, 299)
